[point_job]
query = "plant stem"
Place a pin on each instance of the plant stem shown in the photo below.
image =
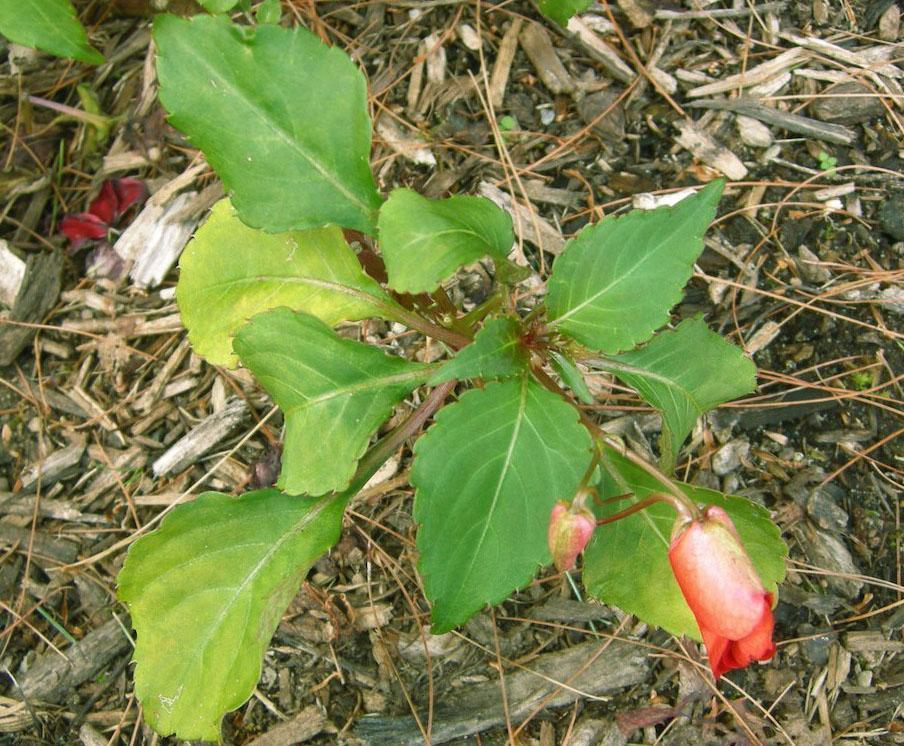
(654, 498)
(688, 506)
(635, 508)
(454, 339)
(377, 455)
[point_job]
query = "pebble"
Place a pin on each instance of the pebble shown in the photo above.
(610, 127)
(843, 106)
(729, 457)
(825, 511)
(827, 551)
(816, 648)
(810, 268)
(891, 217)
(753, 132)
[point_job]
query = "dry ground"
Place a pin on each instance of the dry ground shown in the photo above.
(804, 269)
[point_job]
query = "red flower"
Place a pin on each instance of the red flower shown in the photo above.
(115, 198)
(723, 590)
(570, 529)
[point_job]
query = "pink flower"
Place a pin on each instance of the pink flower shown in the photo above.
(570, 529)
(723, 590)
(105, 211)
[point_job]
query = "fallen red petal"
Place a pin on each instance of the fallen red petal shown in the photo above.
(104, 205)
(83, 227)
(128, 192)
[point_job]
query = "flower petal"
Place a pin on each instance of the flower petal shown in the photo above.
(717, 579)
(81, 228)
(104, 205)
(128, 192)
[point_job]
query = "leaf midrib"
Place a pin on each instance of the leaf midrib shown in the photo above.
(519, 418)
(619, 279)
(297, 528)
(336, 287)
(616, 366)
(352, 389)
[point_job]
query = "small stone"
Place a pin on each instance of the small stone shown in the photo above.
(891, 217)
(469, 37)
(890, 23)
(826, 550)
(753, 132)
(810, 267)
(610, 127)
(842, 105)
(816, 647)
(824, 511)
(730, 456)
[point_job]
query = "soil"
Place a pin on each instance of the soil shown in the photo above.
(810, 283)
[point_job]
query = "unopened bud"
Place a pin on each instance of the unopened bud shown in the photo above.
(570, 529)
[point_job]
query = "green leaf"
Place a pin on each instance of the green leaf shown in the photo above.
(334, 392)
(496, 352)
(684, 373)
(487, 475)
(616, 281)
(230, 272)
(561, 10)
(269, 11)
(207, 589)
(280, 116)
(49, 25)
(627, 564)
(218, 6)
(571, 376)
(424, 241)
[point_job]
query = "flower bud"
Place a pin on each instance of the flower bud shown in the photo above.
(723, 590)
(570, 529)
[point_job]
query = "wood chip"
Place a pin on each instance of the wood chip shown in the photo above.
(201, 438)
(51, 678)
(469, 37)
(754, 75)
(638, 12)
(503, 65)
(154, 240)
(871, 641)
(704, 147)
(39, 291)
(539, 49)
(435, 53)
(60, 510)
(528, 225)
(591, 669)
(601, 51)
(50, 469)
(406, 145)
(43, 546)
(792, 122)
(753, 132)
(12, 274)
(876, 59)
(304, 726)
(663, 14)
(133, 325)
(762, 338)
(152, 393)
(890, 24)
(117, 465)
